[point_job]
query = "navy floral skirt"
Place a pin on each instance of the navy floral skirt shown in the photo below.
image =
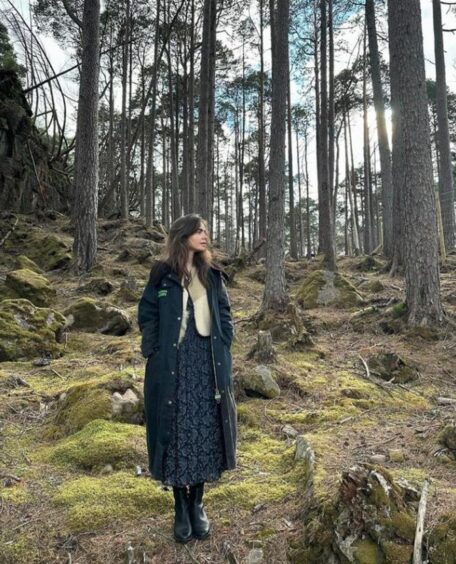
(195, 453)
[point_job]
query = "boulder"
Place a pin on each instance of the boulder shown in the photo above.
(116, 399)
(24, 262)
(27, 331)
(260, 382)
(100, 286)
(26, 283)
(326, 288)
(93, 316)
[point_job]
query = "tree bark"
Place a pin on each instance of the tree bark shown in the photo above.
(275, 296)
(293, 236)
(446, 187)
(383, 143)
(413, 154)
(86, 151)
(325, 207)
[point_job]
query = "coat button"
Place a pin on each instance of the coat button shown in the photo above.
(215, 336)
(178, 319)
(226, 420)
(170, 402)
(172, 371)
(218, 363)
(174, 345)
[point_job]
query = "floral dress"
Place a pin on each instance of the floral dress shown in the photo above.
(195, 453)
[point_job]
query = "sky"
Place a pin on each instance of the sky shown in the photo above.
(62, 60)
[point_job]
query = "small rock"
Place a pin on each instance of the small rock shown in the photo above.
(14, 380)
(255, 556)
(126, 403)
(377, 459)
(289, 431)
(107, 469)
(396, 455)
(42, 362)
(261, 382)
(304, 452)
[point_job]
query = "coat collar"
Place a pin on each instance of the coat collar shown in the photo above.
(172, 275)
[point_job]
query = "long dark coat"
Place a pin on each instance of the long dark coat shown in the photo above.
(159, 319)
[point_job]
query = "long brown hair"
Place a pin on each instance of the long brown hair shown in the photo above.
(175, 253)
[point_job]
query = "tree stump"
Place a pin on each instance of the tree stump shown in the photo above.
(263, 351)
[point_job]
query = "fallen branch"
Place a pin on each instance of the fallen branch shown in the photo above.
(417, 547)
(9, 232)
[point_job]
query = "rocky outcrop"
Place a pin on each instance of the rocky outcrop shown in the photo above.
(90, 315)
(26, 283)
(27, 331)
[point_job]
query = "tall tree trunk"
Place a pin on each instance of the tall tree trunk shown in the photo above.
(414, 174)
(446, 177)
(150, 171)
(306, 172)
(211, 115)
(275, 296)
(123, 120)
(325, 204)
(300, 214)
(331, 108)
(191, 122)
(317, 117)
(383, 143)
(352, 192)
(261, 134)
(86, 150)
(367, 187)
(176, 212)
(202, 155)
(293, 236)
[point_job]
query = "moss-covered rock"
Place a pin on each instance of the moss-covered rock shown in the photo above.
(24, 262)
(366, 551)
(368, 264)
(93, 316)
(259, 381)
(390, 365)
(27, 331)
(91, 503)
(99, 443)
(325, 288)
(375, 286)
(100, 286)
(26, 283)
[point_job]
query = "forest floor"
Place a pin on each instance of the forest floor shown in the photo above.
(60, 503)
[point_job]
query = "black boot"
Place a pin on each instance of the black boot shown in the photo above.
(182, 524)
(200, 523)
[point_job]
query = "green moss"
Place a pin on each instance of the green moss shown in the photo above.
(99, 443)
(83, 404)
(92, 503)
(24, 262)
(323, 288)
(15, 495)
(21, 549)
(246, 415)
(366, 551)
(401, 524)
(26, 283)
(375, 286)
(27, 331)
(399, 310)
(397, 553)
(307, 295)
(248, 493)
(442, 540)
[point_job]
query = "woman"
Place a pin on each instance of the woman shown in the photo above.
(185, 319)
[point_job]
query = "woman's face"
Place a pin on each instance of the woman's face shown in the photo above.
(199, 240)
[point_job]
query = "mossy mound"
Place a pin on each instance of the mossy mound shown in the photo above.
(24, 262)
(49, 252)
(325, 288)
(93, 503)
(442, 540)
(27, 331)
(93, 316)
(389, 365)
(285, 326)
(375, 286)
(99, 443)
(26, 283)
(99, 286)
(93, 400)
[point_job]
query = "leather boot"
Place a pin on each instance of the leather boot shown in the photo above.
(182, 524)
(201, 525)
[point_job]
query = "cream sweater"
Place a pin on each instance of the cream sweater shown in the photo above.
(198, 293)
